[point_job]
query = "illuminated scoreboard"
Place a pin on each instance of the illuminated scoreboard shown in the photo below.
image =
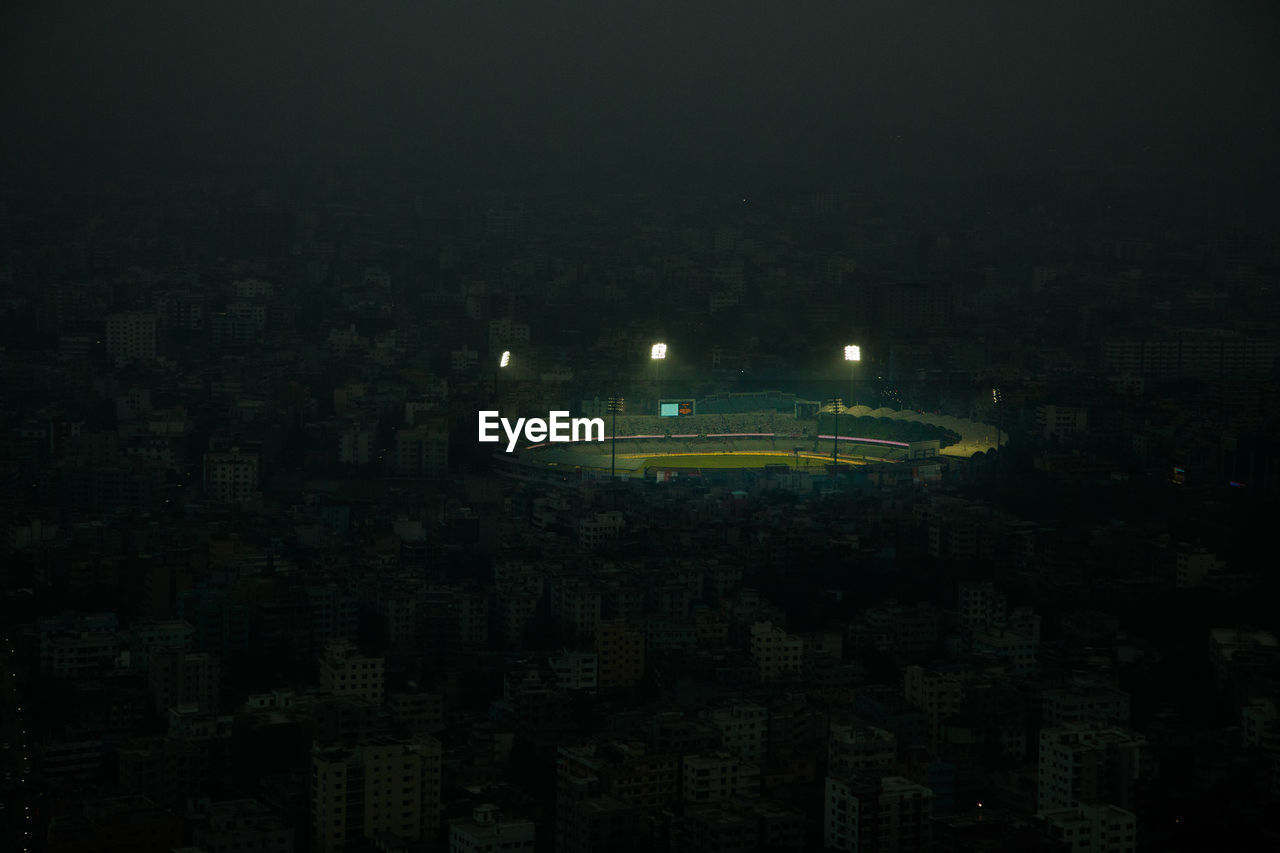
(675, 408)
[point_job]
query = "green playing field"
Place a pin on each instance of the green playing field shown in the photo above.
(736, 460)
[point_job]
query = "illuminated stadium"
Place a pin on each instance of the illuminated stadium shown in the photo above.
(692, 441)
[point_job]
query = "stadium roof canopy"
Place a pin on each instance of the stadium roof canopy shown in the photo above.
(758, 401)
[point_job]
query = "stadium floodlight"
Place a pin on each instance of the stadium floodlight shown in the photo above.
(836, 405)
(853, 355)
(503, 363)
(657, 355)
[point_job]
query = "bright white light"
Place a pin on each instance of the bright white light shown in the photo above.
(658, 351)
(506, 358)
(852, 353)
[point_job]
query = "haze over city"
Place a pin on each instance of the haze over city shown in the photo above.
(617, 426)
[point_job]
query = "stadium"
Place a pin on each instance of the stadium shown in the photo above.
(752, 433)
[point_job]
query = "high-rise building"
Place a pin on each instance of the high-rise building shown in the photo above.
(1239, 654)
(1191, 353)
(180, 310)
(252, 288)
(334, 613)
(744, 730)
(487, 832)
(242, 826)
(1081, 763)
(868, 813)
(938, 694)
(131, 335)
(463, 360)
(505, 334)
(346, 672)
(1193, 565)
(981, 605)
(577, 602)
(775, 653)
(1061, 421)
(230, 476)
(859, 747)
(910, 306)
(1084, 703)
(114, 825)
(417, 711)
(1013, 650)
(389, 787)
(240, 324)
(600, 825)
(575, 670)
(149, 635)
(717, 778)
(600, 528)
(605, 791)
(619, 654)
(423, 450)
(76, 646)
(627, 771)
(357, 444)
(1099, 828)
(219, 619)
(715, 830)
(180, 678)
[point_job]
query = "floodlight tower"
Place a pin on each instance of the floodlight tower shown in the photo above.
(616, 404)
(853, 355)
(503, 363)
(836, 405)
(657, 355)
(997, 397)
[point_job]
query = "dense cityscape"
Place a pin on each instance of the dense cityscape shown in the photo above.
(927, 513)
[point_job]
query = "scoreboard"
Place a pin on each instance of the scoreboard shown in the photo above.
(675, 408)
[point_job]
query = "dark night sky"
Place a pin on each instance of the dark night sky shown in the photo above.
(944, 88)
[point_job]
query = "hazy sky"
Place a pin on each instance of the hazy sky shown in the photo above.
(952, 87)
